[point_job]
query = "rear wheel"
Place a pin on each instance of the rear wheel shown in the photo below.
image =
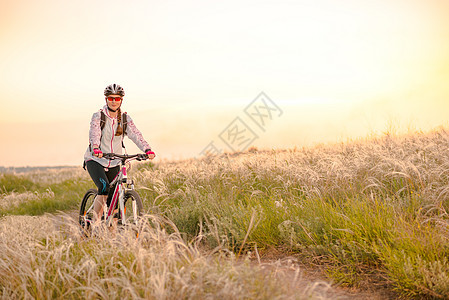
(133, 207)
(87, 209)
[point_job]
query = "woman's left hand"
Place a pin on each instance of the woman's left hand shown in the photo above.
(150, 154)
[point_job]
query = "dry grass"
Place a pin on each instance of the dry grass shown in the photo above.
(46, 257)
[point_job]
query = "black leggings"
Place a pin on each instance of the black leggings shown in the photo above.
(100, 176)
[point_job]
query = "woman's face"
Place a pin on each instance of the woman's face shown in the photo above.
(112, 103)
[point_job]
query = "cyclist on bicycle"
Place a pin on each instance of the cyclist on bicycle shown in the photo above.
(106, 133)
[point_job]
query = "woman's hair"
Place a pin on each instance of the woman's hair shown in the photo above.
(119, 119)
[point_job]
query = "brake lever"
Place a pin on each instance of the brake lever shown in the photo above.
(141, 157)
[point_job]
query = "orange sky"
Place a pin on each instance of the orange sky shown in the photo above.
(337, 69)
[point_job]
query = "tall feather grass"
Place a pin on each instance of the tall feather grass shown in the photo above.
(47, 257)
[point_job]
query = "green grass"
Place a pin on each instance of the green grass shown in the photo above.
(23, 196)
(13, 183)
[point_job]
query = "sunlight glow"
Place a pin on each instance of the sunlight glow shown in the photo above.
(203, 61)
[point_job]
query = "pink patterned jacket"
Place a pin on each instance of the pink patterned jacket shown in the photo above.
(110, 143)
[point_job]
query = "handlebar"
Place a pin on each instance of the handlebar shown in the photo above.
(125, 157)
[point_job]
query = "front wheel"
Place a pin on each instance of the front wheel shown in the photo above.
(87, 209)
(133, 207)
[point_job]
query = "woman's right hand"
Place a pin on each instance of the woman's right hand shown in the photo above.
(97, 152)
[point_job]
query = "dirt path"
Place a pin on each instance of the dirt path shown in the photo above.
(299, 276)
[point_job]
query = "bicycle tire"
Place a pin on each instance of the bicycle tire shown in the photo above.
(131, 196)
(86, 216)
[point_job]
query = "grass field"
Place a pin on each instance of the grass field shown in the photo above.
(371, 211)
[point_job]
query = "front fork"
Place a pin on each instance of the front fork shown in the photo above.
(122, 195)
(129, 187)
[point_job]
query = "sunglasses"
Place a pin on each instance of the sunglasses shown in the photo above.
(114, 98)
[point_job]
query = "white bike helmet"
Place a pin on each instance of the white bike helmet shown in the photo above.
(114, 89)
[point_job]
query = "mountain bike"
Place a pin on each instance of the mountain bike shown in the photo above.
(125, 204)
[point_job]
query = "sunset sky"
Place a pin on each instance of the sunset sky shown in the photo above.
(335, 69)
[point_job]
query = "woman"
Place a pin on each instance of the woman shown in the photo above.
(107, 129)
